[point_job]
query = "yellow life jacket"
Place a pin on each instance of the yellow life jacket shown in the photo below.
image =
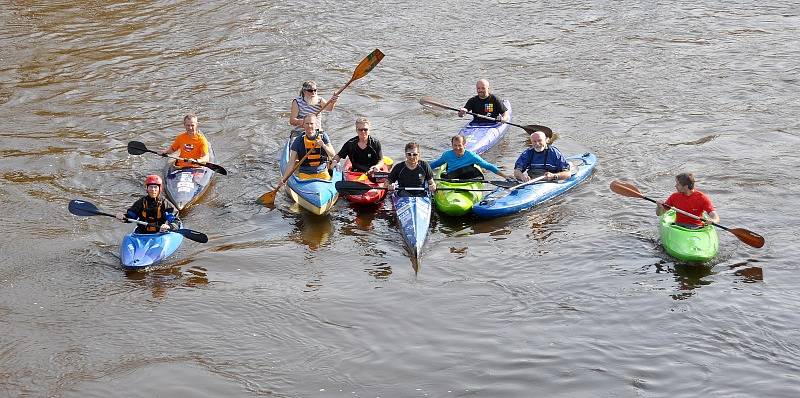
(315, 154)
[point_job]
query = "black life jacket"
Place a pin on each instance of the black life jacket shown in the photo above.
(315, 154)
(152, 216)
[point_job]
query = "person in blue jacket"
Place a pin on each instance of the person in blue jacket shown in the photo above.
(541, 160)
(461, 162)
(152, 208)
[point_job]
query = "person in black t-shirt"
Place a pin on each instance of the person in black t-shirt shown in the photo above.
(363, 150)
(413, 173)
(485, 103)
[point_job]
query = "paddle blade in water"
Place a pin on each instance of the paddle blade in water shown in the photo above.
(367, 64)
(137, 148)
(268, 199)
(193, 235)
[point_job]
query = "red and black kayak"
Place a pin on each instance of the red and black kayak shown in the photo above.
(373, 195)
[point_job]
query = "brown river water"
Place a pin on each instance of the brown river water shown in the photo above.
(574, 298)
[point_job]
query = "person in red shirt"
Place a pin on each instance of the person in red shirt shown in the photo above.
(689, 200)
(190, 144)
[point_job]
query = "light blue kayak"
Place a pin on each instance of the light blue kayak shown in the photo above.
(414, 219)
(482, 137)
(501, 202)
(139, 252)
(315, 195)
(183, 187)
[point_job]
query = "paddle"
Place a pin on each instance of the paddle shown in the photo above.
(530, 129)
(630, 190)
(355, 188)
(364, 67)
(86, 209)
(497, 183)
(138, 148)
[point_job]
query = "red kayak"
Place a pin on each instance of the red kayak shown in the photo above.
(371, 196)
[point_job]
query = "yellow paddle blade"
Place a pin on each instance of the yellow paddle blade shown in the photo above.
(388, 161)
(367, 64)
(268, 199)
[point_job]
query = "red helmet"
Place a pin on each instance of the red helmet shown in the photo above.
(153, 179)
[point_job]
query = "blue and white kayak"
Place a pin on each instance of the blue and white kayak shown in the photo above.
(414, 219)
(315, 195)
(185, 186)
(482, 137)
(140, 252)
(501, 202)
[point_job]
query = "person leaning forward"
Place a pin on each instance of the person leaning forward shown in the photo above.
(541, 159)
(486, 104)
(319, 149)
(690, 200)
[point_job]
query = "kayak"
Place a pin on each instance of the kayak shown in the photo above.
(456, 203)
(139, 252)
(691, 245)
(482, 137)
(184, 186)
(368, 197)
(314, 194)
(414, 218)
(501, 202)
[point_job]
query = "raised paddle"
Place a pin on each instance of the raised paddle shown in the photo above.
(87, 209)
(138, 148)
(530, 129)
(366, 65)
(630, 190)
(355, 188)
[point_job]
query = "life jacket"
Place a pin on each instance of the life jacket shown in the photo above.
(152, 216)
(315, 154)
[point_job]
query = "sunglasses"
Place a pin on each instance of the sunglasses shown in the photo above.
(310, 90)
(412, 154)
(362, 129)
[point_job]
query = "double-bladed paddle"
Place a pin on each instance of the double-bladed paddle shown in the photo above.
(497, 183)
(356, 188)
(364, 67)
(138, 148)
(530, 129)
(630, 190)
(87, 209)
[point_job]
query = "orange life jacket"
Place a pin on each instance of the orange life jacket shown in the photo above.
(152, 219)
(315, 154)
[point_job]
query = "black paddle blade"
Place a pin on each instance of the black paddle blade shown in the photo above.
(504, 184)
(353, 187)
(193, 235)
(217, 168)
(137, 148)
(82, 208)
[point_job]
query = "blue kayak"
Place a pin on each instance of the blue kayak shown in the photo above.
(482, 137)
(139, 252)
(185, 186)
(414, 218)
(315, 195)
(501, 202)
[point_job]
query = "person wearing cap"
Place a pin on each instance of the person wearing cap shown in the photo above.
(190, 144)
(540, 160)
(461, 162)
(152, 208)
(486, 104)
(308, 102)
(690, 200)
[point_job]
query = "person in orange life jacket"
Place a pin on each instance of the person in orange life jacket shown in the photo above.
(541, 159)
(690, 200)
(190, 144)
(153, 209)
(486, 104)
(319, 145)
(308, 102)
(364, 151)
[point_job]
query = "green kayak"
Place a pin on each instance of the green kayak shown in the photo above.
(691, 245)
(456, 203)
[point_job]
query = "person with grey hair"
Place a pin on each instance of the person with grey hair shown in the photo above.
(541, 159)
(364, 150)
(690, 200)
(486, 104)
(308, 102)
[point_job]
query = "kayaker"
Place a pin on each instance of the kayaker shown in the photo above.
(691, 200)
(152, 208)
(461, 162)
(308, 102)
(320, 148)
(412, 173)
(190, 144)
(485, 103)
(364, 150)
(541, 159)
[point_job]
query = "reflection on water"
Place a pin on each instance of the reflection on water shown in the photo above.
(311, 230)
(688, 276)
(161, 280)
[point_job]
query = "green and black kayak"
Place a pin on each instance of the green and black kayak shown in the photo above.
(690, 245)
(457, 196)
